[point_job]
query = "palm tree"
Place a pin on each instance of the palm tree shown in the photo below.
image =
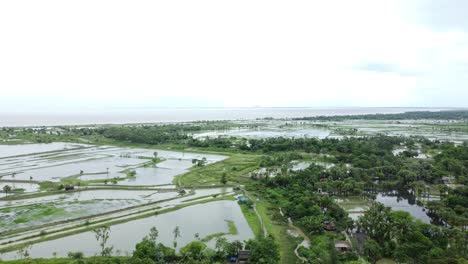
(6, 189)
(176, 233)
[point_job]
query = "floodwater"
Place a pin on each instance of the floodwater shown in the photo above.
(90, 195)
(152, 115)
(163, 173)
(22, 149)
(97, 162)
(357, 206)
(26, 187)
(398, 203)
(268, 133)
(74, 205)
(123, 237)
(302, 165)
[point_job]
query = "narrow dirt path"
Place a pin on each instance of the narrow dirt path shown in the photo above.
(254, 206)
(305, 243)
(262, 224)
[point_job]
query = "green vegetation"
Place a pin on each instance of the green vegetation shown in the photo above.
(236, 168)
(362, 168)
(417, 115)
(252, 219)
(232, 231)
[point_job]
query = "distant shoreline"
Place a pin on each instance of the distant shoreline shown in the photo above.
(123, 116)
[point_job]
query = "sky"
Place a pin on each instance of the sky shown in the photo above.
(57, 55)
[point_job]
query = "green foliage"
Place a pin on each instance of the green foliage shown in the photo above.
(263, 251)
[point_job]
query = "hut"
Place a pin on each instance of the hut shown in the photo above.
(342, 246)
(329, 225)
(243, 256)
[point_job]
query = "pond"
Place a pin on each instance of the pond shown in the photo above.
(407, 204)
(356, 206)
(123, 237)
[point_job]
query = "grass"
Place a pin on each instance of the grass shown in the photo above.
(237, 167)
(386, 261)
(252, 219)
(278, 230)
(232, 231)
(33, 212)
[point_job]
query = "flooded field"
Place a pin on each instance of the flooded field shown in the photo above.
(268, 132)
(25, 167)
(86, 162)
(36, 211)
(124, 236)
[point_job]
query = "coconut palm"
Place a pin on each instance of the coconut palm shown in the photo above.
(6, 189)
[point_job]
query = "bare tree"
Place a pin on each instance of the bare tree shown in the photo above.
(102, 235)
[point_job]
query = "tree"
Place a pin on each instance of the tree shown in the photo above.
(193, 250)
(176, 233)
(415, 247)
(148, 251)
(377, 223)
(23, 252)
(6, 189)
(223, 178)
(154, 234)
(372, 251)
(263, 250)
(155, 157)
(102, 235)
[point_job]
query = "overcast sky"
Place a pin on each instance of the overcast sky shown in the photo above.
(69, 54)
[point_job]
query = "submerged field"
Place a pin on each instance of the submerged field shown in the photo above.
(117, 186)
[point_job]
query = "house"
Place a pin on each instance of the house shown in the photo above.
(243, 199)
(243, 256)
(446, 180)
(329, 225)
(342, 246)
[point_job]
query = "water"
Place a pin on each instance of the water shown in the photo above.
(97, 162)
(267, 133)
(26, 187)
(151, 115)
(357, 206)
(399, 203)
(22, 149)
(124, 236)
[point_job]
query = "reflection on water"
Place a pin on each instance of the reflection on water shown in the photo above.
(405, 203)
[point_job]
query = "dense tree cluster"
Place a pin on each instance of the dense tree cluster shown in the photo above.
(396, 235)
(415, 115)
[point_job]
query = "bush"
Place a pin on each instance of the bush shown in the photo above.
(75, 255)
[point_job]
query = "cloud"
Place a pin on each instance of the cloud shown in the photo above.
(446, 15)
(383, 67)
(111, 53)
